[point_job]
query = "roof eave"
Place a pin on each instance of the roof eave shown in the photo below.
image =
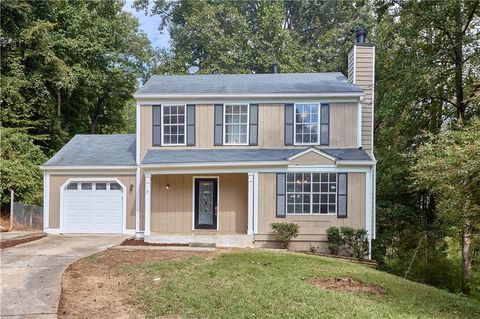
(247, 95)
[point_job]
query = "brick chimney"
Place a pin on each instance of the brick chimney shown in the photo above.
(361, 71)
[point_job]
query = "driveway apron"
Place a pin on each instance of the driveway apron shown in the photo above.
(31, 273)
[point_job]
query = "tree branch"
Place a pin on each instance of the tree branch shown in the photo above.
(470, 17)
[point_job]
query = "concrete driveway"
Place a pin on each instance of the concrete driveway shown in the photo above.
(31, 273)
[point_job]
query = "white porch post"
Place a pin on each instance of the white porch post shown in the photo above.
(138, 181)
(148, 209)
(252, 202)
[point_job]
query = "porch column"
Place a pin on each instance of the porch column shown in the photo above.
(148, 209)
(252, 201)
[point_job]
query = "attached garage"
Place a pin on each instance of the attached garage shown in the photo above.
(90, 186)
(92, 207)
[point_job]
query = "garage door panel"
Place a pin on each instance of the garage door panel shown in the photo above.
(93, 211)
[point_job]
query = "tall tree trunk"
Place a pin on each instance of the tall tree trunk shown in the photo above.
(466, 260)
(59, 103)
(458, 48)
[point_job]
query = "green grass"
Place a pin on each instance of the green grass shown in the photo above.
(258, 284)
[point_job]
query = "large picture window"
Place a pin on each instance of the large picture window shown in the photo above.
(173, 125)
(236, 124)
(307, 123)
(312, 193)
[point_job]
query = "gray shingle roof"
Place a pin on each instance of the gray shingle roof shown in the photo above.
(241, 155)
(96, 150)
(332, 82)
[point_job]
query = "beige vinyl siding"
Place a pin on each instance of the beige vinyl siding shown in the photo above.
(271, 119)
(56, 181)
(343, 127)
(314, 227)
(172, 209)
(312, 158)
(364, 79)
(146, 127)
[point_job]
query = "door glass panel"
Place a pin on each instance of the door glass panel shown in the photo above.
(72, 186)
(115, 186)
(101, 186)
(206, 205)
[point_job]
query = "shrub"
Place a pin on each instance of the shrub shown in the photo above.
(284, 232)
(334, 240)
(354, 242)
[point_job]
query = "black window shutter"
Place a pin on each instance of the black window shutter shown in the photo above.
(190, 125)
(325, 124)
(253, 125)
(157, 125)
(289, 120)
(342, 195)
(281, 193)
(218, 122)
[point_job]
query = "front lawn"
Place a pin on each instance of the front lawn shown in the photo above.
(260, 284)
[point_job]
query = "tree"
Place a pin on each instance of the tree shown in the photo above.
(67, 67)
(19, 167)
(249, 36)
(449, 166)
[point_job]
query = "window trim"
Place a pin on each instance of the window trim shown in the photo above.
(225, 123)
(318, 104)
(184, 126)
(311, 195)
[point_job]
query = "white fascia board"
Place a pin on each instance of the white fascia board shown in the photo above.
(246, 95)
(214, 164)
(83, 168)
(356, 163)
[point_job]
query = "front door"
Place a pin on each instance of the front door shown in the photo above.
(206, 203)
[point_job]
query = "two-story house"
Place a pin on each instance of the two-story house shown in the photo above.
(218, 158)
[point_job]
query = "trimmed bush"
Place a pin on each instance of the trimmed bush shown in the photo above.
(284, 232)
(334, 240)
(353, 241)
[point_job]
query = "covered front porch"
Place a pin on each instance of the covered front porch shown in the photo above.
(207, 208)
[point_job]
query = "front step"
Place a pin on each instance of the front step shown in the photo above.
(197, 244)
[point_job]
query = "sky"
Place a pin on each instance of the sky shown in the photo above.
(149, 24)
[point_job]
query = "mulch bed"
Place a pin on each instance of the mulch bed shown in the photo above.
(141, 242)
(346, 285)
(15, 242)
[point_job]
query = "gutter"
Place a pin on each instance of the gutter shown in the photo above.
(247, 95)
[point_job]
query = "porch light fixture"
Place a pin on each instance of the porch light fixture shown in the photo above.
(167, 186)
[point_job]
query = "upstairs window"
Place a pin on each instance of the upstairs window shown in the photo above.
(307, 119)
(236, 124)
(173, 125)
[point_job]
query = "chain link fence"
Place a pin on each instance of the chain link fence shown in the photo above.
(26, 217)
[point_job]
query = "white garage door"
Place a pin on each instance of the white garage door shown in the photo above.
(92, 207)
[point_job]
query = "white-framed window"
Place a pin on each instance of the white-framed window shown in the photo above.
(307, 122)
(311, 193)
(173, 124)
(235, 122)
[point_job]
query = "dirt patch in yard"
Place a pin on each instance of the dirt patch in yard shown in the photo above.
(99, 287)
(346, 285)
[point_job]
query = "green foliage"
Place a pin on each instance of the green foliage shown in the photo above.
(228, 36)
(448, 165)
(19, 170)
(284, 232)
(334, 240)
(354, 242)
(67, 67)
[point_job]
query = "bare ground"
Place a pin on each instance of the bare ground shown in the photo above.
(99, 287)
(346, 285)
